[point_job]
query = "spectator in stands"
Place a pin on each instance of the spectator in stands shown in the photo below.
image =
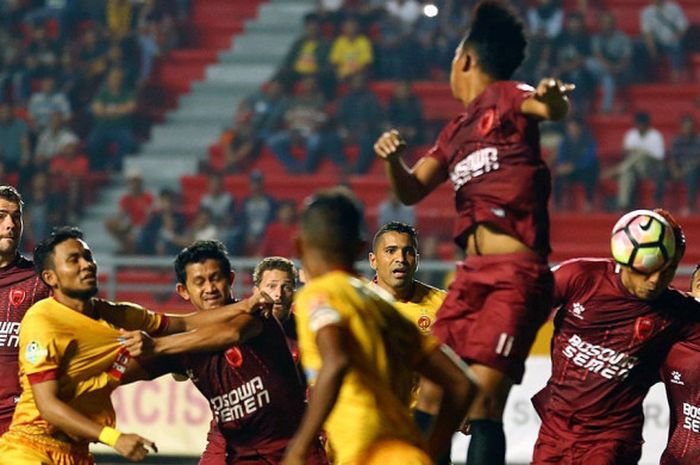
(46, 102)
(92, 56)
(134, 208)
(685, 160)
(406, 11)
(396, 49)
(43, 210)
(360, 119)
(148, 49)
(644, 151)
(71, 81)
(69, 164)
(429, 251)
(611, 60)
(545, 19)
(120, 15)
(663, 26)
(163, 233)
(268, 107)
(13, 74)
(238, 144)
(117, 58)
(306, 123)
(257, 211)
(217, 201)
(391, 209)
(112, 135)
(43, 53)
(52, 140)
(351, 52)
(308, 56)
(14, 140)
(571, 49)
(280, 234)
(577, 162)
(203, 228)
(405, 113)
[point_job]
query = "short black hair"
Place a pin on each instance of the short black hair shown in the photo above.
(497, 36)
(43, 252)
(199, 252)
(282, 264)
(11, 194)
(396, 226)
(333, 221)
(642, 117)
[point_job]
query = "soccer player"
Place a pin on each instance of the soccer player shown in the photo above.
(680, 374)
(245, 369)
(491, 155)
(20, 288)
(277, 277)
(360, 354)
(394, 257)
(71, 359)
(613, 327)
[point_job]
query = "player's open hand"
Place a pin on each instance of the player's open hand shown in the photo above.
(134, 447)
(389, 145)
(260, 303)
(550, 89)
(138, 343)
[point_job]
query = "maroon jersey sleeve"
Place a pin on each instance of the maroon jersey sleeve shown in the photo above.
(20, 288)
(680, 374)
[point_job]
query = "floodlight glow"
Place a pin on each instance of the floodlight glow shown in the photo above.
(430, 10)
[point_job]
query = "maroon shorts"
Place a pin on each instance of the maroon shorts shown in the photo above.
(553, 449)
(494, 308)
(274, 456)
(215, 452)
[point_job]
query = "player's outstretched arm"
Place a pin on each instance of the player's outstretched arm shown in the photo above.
(206, 338)
(74, 423)
(549, 101)
(334, 365)
(259, 302)
(409, 184)
(459, 389)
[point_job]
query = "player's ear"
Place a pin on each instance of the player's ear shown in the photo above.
(49, 277)
(372, 260)
(181, 290)
(468, 61)
(232, 278)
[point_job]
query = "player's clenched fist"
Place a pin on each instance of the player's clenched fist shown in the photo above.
(133, 446)
(550, 89)
(389, 144)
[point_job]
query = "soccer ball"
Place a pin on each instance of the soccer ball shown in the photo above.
(643, 240)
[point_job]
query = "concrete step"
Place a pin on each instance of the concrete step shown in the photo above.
(171, 169)
(232, 74)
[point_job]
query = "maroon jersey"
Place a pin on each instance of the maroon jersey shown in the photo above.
(681, 376)
(492, 153)
(253, 389)
(607, 349)
(20, 288)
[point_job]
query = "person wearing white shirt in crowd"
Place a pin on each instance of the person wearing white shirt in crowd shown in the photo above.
(644, 151)
(407, 11)
(52, 139)
(391, 210)
(663, 25)
(46, 102)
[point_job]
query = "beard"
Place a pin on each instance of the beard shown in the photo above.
(84, 294)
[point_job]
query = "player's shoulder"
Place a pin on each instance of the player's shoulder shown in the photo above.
(426, 292)
(585, 265)
(41, 310)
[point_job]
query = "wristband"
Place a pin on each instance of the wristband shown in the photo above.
(109, 436)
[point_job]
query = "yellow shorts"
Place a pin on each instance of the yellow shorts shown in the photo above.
(18, 451)
(393, 452)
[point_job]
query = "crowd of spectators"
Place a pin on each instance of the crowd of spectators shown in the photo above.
(70, 73)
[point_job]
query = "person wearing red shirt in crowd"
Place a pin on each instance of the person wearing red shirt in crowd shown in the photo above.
(20, 288)
(279, 235)
(612, 329)
(134, 208)
(248, 360)
(680, 374)
(491, 154)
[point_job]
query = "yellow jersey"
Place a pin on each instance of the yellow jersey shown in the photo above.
(423, 306)
(351, 56)
(57, 342)
(373, 402)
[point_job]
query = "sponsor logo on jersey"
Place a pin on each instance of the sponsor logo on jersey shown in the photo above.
(476, 164)
(676, 378)
(234, 357)
(241, 401)
(691, 417)
(577, 310)
(35, 353)
(17, 296)
(9, 334)
(643, 328)
(606, 362)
